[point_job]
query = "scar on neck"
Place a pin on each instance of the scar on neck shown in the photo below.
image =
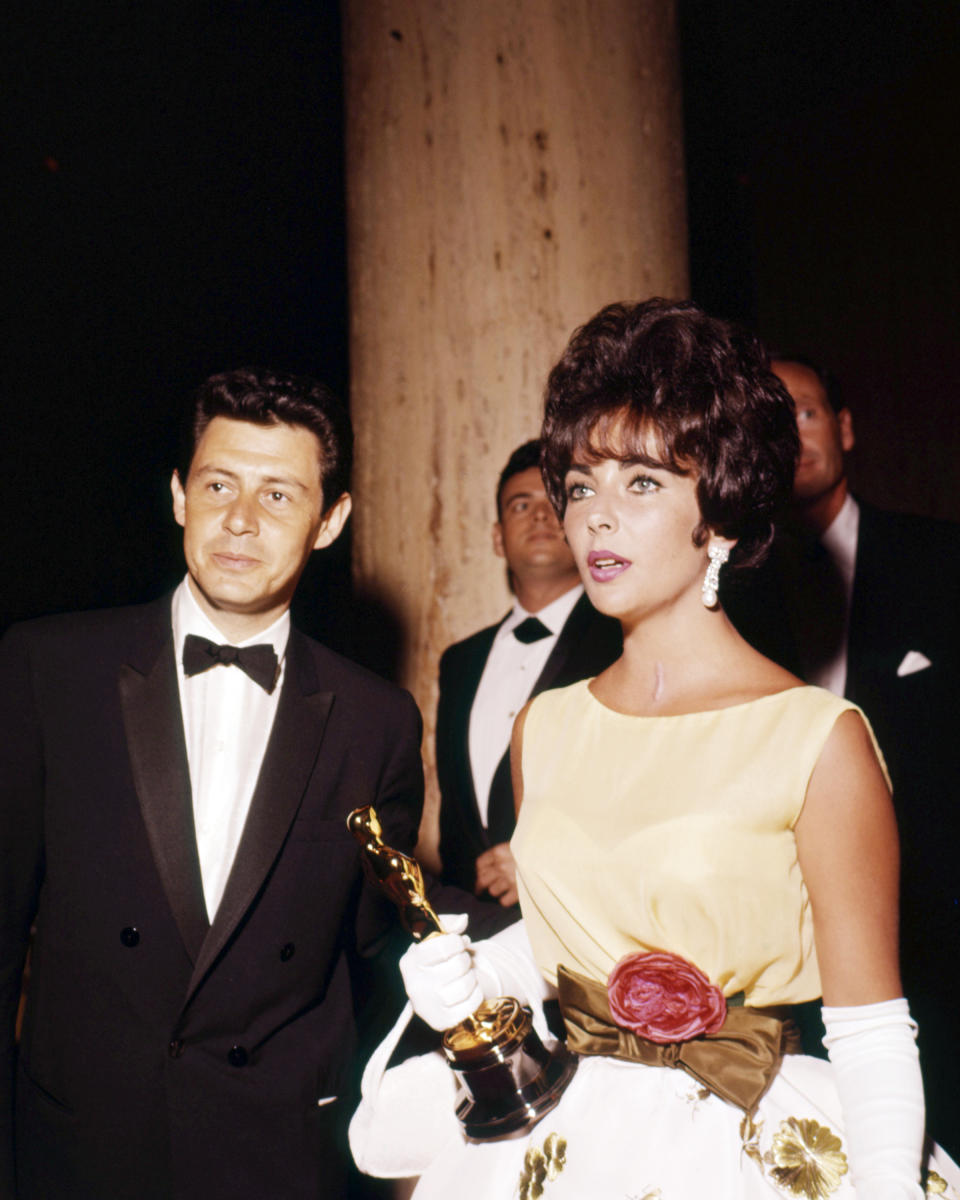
(658, 681)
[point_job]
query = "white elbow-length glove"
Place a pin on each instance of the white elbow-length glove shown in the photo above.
(446, 977)
(874, 1054)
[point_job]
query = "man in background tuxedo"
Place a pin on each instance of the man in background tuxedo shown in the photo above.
(864, 602)
(550, 638)
(174, 783)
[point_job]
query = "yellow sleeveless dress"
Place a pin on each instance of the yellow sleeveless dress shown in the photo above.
(674, 834)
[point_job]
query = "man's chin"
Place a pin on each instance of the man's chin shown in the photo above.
(549, 551)
(236, 596)
(808, 491)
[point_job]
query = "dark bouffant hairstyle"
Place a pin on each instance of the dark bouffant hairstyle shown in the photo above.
(268, 398)
(522, 459)
(696, 394)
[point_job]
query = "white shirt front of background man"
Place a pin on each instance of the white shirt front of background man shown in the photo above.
(840, 542)
(511, 671)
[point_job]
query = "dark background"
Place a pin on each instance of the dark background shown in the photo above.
(823, 182)
(173, 205)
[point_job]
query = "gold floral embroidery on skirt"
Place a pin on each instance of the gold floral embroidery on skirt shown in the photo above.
(541, 1166)
(750, 1138)
(807, 1159)
(937, 1188)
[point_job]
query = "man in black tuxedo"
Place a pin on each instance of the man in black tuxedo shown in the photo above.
(864, 602)
(175, 780)
(551, 637)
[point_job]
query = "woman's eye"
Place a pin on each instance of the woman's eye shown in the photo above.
(577, 491)
(644, 483)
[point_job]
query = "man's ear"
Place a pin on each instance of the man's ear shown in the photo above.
(179, 500)
(845, 421)
(498, 547)
(334, 519)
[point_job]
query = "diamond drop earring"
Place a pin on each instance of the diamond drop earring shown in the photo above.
(711, 581)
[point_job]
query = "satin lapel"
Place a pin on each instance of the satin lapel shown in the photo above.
(573, 629)
(287, 765)
(873, 649)
(470, 681)
(501, 813)
(150, 701)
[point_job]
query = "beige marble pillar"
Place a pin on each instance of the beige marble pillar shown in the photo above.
(512, 165)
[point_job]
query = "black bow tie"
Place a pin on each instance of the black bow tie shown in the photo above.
(531, 630)
(259, 662)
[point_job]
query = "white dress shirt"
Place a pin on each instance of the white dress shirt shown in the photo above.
(840, 542)
(512, 668)
(227, 720)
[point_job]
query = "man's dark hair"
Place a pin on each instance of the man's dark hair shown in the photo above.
(665, 384)
(522, 459)
(267, 397)
(828, 381)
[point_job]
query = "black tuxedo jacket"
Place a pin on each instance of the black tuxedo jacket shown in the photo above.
(586, 645)
(906, 593)
(163, 1057)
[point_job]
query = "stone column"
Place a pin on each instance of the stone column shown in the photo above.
(512, 165)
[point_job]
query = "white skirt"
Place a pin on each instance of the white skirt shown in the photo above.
(622, 1131)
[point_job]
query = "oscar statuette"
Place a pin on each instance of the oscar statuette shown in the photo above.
(507, 1078)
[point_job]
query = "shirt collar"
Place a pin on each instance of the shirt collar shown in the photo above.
(840, 536)
(189, 617)
(554, 615)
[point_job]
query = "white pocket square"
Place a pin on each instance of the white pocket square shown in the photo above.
(913, 661)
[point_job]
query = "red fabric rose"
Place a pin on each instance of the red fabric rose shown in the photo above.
(664, 998)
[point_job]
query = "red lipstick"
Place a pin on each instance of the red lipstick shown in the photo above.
(604, 565)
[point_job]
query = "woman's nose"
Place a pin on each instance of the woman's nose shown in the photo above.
(601, 518)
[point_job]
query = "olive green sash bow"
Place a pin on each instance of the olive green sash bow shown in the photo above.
(737, 1063)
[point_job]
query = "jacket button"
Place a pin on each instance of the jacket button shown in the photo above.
(237, 1056)
(130, 937)
(288, 951)
(175, 1048)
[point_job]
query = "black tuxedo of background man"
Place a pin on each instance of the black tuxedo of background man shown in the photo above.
(587, 644)
(541, 570)
(903, 669)
(164, 1056)
(905, 598)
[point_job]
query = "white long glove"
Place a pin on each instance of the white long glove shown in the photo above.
(439, 976)
(446, 977)
(874, 1054)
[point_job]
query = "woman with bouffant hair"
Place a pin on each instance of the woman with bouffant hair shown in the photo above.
(703, 388)
(705, 846)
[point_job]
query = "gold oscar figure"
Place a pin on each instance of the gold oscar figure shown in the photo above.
(507, 1078)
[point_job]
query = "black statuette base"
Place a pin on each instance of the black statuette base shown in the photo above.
(507, 1094)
